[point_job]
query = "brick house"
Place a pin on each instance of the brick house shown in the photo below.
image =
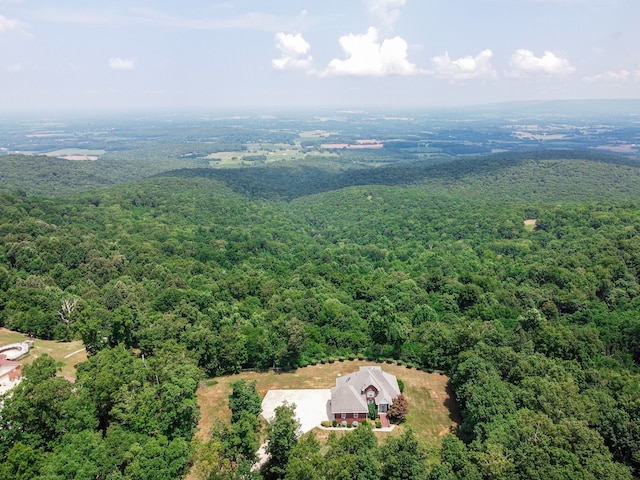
(9, 369)
(351, 396)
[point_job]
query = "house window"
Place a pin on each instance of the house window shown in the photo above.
(355, 415)
(344, 415)
(371, 394)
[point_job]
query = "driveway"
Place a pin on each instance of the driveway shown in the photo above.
(311, 405)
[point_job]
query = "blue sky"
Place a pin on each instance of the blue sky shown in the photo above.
(75, 54)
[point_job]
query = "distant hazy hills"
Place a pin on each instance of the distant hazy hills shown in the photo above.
(587, 107)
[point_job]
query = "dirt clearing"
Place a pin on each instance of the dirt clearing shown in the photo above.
(432, 410)
(69, 353)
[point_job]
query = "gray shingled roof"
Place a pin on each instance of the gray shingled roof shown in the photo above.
(347, 397)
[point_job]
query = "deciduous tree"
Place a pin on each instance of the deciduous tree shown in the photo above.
(399, 408)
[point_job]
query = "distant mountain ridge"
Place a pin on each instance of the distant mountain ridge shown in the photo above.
(629, 106)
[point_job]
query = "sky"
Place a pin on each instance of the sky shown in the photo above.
(186, 54)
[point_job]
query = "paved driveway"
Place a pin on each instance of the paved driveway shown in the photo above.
(311, 405)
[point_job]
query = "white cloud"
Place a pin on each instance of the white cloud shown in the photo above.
(367, 57)
(122, 63)
(9, 24)
(294, 52)
(620, 76)
(15, 68)
(385, 12)
(464, 68)
(523, 62)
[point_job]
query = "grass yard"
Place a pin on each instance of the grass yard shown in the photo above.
(271, 152)
(76, 154)
(432, 411)
(69, 353)
(530, 224)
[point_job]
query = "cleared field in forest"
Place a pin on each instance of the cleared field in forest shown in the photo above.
(69, 353)
(432, 410)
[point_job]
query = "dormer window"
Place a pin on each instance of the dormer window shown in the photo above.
(371, 394)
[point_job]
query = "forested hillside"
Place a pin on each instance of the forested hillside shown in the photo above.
(201, 273)
(565, 175)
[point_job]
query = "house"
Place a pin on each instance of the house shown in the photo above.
(351, 396)
(10, 373)
(9, 369)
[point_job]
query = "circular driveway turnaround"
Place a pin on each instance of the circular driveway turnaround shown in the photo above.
(311, 405)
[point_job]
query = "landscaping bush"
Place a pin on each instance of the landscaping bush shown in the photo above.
(334, 423)
(378, 423)
(401, 385)
(373, 411)
(327, 423)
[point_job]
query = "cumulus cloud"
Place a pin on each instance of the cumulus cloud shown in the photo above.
(524, 62)
(294, 52)
(384, 12)
(620, 76)
(122, 63)
(9, 24)
(464, 68)
(367, 56)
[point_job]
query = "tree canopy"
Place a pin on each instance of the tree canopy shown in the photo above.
(173, 278)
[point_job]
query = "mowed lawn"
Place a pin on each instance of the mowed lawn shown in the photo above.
(69, 353)
(432, 411)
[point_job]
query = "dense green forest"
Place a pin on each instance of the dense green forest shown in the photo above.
(200, 273)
